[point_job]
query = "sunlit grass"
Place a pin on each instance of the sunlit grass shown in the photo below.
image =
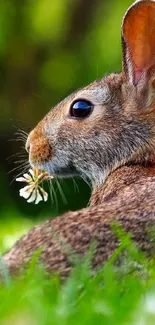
(115, 294)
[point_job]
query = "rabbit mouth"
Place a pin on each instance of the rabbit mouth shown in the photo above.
(59, 170)
(56, 170)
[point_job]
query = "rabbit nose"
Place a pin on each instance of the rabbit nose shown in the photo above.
(38, 147)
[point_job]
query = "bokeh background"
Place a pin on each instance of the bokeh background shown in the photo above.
(48, 48)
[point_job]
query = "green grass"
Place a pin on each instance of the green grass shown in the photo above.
(115, 294)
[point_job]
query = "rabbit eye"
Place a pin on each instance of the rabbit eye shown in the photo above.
(81, 109)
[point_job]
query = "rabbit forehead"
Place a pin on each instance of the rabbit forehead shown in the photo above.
(101, 91)
(97, 93)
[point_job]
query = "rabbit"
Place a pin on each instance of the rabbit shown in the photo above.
(105, 133)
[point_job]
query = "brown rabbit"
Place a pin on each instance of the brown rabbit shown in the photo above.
(104, 132)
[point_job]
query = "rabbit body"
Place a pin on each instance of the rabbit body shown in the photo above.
(128, 199)
(105, 133)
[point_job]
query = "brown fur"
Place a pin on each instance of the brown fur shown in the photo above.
(113, 148)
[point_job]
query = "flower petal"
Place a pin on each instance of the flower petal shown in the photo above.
(38, 197)
(42, 176)
(31, 171)
(32, 197)
(28, 177)
(45, 194)
(21, 179)
(26, 191)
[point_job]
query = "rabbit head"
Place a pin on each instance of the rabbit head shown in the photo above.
(110, 122)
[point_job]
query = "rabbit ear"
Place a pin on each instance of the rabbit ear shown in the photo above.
(138, 40)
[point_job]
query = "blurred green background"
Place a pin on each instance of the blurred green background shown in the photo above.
(47, 50)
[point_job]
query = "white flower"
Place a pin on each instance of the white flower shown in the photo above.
(33, 192)
(26, 191)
